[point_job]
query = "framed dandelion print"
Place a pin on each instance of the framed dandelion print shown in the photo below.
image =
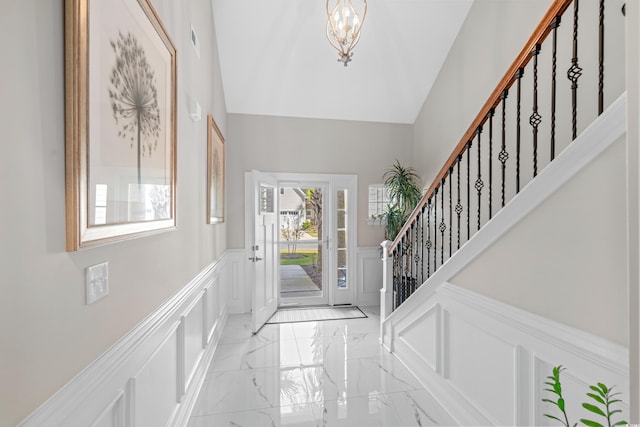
(120, 105)
(215, 173)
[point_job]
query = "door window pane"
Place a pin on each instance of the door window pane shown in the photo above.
(301, 245)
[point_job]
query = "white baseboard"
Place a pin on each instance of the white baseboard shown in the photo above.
(486, 362)
(152, 375)
(369, 280)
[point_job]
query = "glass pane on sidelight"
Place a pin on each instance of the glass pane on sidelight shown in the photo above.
(341, 241)
(342, 199)
(342, 219)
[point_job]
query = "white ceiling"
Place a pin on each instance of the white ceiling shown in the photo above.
(276, 60)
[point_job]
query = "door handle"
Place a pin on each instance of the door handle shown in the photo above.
(255, 259)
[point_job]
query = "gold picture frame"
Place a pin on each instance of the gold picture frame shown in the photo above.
(215, 172)
(120, 105)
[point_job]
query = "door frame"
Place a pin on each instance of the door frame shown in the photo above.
(333, 181)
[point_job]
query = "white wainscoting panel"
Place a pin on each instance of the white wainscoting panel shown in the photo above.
(239, 294)
(481, 366)
(192, 339)
(114, 413)
(153, 374)
(155, 389)
(423, 336)
(369, 280)
(492, 359)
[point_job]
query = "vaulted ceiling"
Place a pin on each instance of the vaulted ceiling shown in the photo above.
(276, 60)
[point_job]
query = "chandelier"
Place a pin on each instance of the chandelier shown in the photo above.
(343, 27)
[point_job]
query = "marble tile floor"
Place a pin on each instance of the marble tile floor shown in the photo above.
(329, 373)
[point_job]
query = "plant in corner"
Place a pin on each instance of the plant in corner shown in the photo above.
(603, 398)
(401, 184)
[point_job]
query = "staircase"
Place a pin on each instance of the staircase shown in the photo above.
(473, 301)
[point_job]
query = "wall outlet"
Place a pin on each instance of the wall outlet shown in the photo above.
(97, 282)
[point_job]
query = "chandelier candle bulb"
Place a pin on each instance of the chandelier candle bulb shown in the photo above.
(344, 26)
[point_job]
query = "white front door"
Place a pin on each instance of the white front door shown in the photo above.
(262, 238)
(333, 249)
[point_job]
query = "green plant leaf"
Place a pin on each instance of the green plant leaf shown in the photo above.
(621, 423)
(561, 404)
(554, 418)
(614, 401)
(603, 388)
(614, 412)
(597, 390)
(590, 423)
(596, 398)
(557, 387)
(549, 401)
(593, 409)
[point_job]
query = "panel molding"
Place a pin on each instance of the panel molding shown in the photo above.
(104, 392)
(239, 296)
(434, 311)
(369, 268)
(532, 340)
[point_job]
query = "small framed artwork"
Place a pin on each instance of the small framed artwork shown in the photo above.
(215, 173)
(120, 104)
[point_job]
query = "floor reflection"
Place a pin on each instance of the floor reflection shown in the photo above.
(331, 373)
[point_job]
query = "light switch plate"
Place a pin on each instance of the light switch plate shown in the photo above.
(97, 282)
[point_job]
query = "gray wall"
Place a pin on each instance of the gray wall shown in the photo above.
(283, 144)
(48, 334)
(490, 39)
(567, 261)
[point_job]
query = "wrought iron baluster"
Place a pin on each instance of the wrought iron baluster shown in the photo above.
(554, 25)
(574, 73)
(468, 148)
(504, 156)
(429, 238)
(405, 240)
(491, 113)
(450, 214)
(410, 260)
(601, 59)
(443, 226)
(395, 278)
(416, 254)
(400, 274)
(519, 75)
(458, 205)
(400, 270)
(422, 245)
(479, 183)
(535, 118)
(435, 230)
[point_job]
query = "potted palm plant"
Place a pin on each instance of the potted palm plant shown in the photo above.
(404, 194)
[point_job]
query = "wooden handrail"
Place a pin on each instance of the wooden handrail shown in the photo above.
(540, 33)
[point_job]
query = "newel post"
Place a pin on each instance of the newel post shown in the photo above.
(386, 293)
